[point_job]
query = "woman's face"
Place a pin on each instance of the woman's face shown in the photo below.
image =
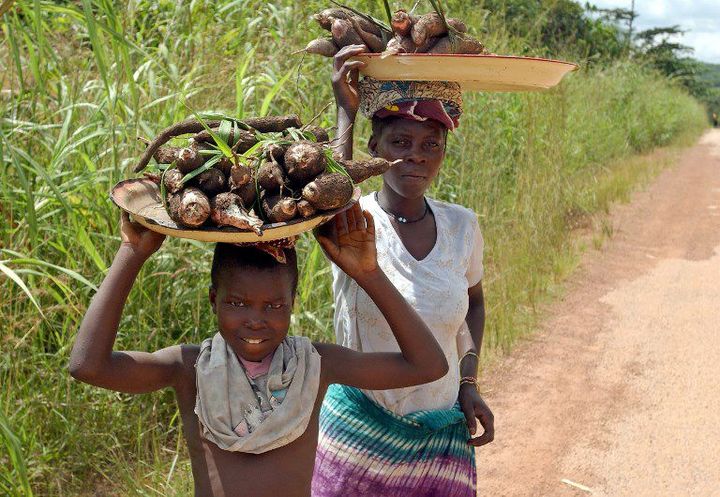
(420, 145)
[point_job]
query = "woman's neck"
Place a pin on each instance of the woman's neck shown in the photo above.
(409, 208)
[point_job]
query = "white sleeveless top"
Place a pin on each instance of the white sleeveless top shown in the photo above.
(436, 287)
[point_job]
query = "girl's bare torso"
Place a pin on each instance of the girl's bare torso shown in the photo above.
(284, 471)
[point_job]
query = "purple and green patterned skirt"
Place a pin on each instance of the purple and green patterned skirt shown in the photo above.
(366, 450)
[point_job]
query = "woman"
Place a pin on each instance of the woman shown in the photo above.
(412, 441)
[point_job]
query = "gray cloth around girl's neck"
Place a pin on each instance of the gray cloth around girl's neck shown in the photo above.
(229, 411)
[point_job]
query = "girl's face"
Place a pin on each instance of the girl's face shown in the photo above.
(421, 147)
(253, 309)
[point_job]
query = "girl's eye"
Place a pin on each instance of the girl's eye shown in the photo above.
(401, 143)
(274, 306)
(237, 303)
(433, 144)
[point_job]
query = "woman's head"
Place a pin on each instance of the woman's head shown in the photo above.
(420, 145)
(410, 121)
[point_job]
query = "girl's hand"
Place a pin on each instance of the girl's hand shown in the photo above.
(349, 242)
(473, 406)
(345, 79)
(142, 241)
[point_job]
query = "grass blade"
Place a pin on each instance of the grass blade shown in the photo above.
(388, 12)
(19, 282)
(13, 448)
(84, 240)
(265, 107)
(239, 88)
(37, 262)
(5, 6)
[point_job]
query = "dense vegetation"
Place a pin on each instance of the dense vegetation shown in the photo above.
(82, 79)
(709, 79)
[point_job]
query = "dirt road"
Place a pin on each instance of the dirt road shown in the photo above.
(618, 393)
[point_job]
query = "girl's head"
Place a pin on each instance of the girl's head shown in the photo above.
(252, 295)
(420, 145)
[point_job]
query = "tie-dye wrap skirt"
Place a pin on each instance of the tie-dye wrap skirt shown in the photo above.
(366, 450)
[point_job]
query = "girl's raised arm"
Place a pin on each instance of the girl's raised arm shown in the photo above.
(421, 360)
(92, 359)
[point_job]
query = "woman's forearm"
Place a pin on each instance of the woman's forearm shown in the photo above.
(475, 320)
(346, 127)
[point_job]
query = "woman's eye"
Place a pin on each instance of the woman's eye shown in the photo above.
(274, 306)
(401, 143)
(237, 303)
(433, 144)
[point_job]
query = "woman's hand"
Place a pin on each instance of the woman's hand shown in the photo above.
(345, 79)
(349, 241)
(473, 406)
(142, 241)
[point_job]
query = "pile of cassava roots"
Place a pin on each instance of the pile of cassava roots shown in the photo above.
(252, 172)
(408, 33)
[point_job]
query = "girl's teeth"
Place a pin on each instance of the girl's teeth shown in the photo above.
(253, 340)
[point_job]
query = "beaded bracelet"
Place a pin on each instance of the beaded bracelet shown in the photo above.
(469, 380)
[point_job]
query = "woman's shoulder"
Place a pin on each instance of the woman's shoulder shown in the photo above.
(455, 213)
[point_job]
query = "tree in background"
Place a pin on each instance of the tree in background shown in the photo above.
(560, 26)
(602, 36)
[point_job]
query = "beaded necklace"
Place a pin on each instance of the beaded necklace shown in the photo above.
(401, 219)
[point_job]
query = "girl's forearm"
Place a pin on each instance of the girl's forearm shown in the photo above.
(96, 337)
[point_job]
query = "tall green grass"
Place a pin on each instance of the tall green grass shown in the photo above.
(81, 80)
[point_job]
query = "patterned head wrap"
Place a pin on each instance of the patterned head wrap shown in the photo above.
(417, 100)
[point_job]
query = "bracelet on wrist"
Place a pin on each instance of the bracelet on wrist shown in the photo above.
(466, 354)
(469, 380)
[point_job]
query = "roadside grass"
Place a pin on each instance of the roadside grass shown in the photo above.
(84, 79)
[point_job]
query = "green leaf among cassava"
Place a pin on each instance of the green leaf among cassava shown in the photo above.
(285, 173)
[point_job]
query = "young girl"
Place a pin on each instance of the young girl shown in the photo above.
(410, 441)
(249, 396)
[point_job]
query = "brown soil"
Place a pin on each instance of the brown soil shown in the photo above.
(617, 393)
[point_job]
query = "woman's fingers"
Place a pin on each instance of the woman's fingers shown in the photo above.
(346, 53)
(341, 226)
(351, 219)
(129, 229)
(350, 72)
(354, 71)
(328, 246)
(370, 221)
(467, 410)
(482, 412)
(483, 439)
(347, 71)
